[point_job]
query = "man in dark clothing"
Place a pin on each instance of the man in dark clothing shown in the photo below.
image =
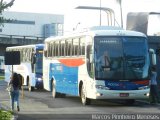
(154, 97)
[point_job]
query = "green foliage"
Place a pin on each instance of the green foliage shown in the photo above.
(5, 115)
(1, 77)
(4, 5)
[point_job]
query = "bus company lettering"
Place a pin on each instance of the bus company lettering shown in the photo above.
(59, 68)
(113, 84)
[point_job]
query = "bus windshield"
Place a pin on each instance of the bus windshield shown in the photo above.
(39, 55)
(121, 58)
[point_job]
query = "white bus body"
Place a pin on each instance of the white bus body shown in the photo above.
(71, 65)
(30, 72)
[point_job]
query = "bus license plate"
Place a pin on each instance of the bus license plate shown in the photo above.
(124, 94)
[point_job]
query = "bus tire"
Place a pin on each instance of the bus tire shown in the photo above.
(53, 89)
(63, 95)
(84, 99)
(54, 93)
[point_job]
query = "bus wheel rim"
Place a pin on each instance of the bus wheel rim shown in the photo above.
(83, 96)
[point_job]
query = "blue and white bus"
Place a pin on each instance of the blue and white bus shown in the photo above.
(74, 65)
(30, 68)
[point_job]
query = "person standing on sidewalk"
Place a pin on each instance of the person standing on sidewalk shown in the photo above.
(154, 97)
(14, 95)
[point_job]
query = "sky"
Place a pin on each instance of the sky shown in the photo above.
(78, 18)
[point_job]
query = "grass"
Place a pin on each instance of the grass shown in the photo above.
(1, 77)
(5, 115)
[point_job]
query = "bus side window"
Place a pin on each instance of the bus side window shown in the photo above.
(75, 47)
(33, 58)
(82, 46)
(52, 47)
(66, 48)
(89, 57)
(50, 50)
(69, 47)
(63, 48)
(45, 53)
(33, 61)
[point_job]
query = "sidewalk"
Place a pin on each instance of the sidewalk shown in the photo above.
(4, 101)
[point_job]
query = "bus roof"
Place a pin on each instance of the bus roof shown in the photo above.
(26, 46)
(100, 31)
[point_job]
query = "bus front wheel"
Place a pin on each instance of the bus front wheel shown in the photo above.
(84, 99)
(54, 93)
(53, 89)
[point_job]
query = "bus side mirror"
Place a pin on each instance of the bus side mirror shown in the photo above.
(153, 56)
(91, 57)
(33, 59)
(45, 53)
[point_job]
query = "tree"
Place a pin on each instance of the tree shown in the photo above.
(4, 5)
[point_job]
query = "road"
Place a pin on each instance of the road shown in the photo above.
(39, 105)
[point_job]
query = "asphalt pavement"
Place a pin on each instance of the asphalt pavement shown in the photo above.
(39, 105)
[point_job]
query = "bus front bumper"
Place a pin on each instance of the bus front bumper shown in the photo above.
(39, 84)
(121, 94)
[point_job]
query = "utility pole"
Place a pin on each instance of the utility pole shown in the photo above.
(100, 13)
(120, 6)
(121, 13)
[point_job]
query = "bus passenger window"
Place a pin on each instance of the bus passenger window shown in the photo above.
(62, 47)
(69, 47)
(82, 46)
(75, 47)
(45, 53)
(89, 57)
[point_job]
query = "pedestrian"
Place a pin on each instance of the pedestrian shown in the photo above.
(14, 94)
(154, 97)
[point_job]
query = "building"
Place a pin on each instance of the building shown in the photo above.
(32, 24)
(28, 28)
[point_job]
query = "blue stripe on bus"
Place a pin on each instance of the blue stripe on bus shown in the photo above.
(113, 85)
(66, 78)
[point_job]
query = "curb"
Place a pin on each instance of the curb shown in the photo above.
(15, 117)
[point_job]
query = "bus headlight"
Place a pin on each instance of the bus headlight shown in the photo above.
(99, 94)
(147, 94)
(143, 88)
(39, 79)
(102, 87)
